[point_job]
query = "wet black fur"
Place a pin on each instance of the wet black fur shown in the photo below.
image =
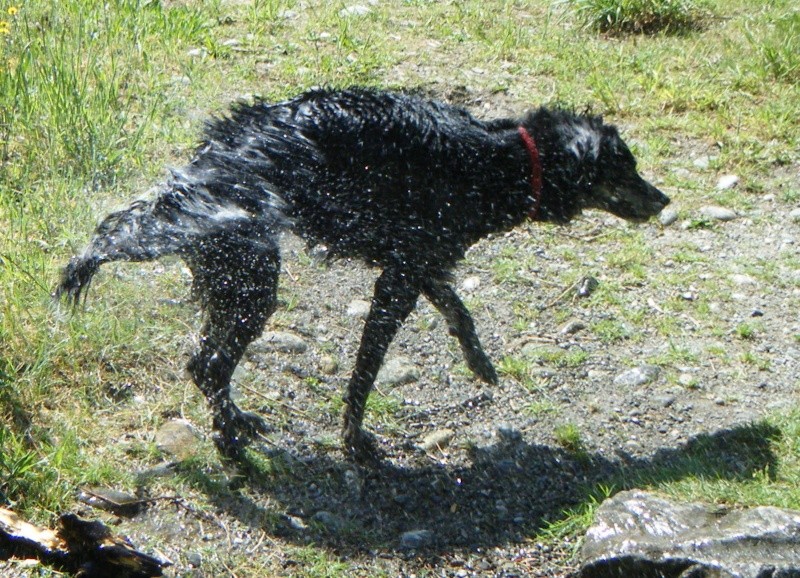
(402, 183)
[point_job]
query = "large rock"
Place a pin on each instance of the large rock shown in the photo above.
(643, 535)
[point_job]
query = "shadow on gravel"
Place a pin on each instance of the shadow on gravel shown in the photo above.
(510, 491)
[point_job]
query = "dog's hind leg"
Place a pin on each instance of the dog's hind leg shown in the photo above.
(236, 281)
(460, 325)
(394, 298)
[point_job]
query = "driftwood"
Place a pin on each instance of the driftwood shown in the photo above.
(85, 548)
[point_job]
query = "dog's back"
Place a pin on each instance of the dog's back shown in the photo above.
(373, 175)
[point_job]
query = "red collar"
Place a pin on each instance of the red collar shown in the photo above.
(536, 171)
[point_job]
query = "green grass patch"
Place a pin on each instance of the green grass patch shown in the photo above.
(641, 16)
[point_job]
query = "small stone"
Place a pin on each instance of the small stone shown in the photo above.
(668, 216)
(702, 162)
(281, 341)
(794, 215)
(437, 440)
(637, 376)
(726, 182)
(415, 539)
(743, 279)
(717, 213)
(194, 559)
(330, 521)
(354, 10)
(471, 283)
(397, 371)
(115, 501)
(328, 364)
(296, 523)
(178, 438)
(572, 326)
(358, 308)
(587, 286)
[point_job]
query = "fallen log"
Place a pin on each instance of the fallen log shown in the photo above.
(85, 548)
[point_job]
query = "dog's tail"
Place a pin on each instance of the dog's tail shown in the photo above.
(188, 209)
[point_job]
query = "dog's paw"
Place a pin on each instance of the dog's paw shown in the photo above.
(361, 447)
(235, 428)
(483, 369)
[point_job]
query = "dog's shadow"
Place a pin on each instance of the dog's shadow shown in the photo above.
(511, 491)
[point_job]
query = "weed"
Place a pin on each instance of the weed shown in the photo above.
(568, 436)
(540, 408)
(641, 16)
(778, 51)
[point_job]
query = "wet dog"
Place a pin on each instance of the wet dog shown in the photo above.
(402, 183)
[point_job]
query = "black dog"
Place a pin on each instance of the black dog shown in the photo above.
(401, 183)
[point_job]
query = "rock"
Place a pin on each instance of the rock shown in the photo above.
(639, 534)
(637, 376)
(702, 162)
(572, 326)
(586, 286)
(328, 365)
(794, 215)
(471, 283)
(331, 522)
(397, 371)
(115, 501)
(717, 213)
(743, 279)
(354, 10)
(668, 216)
(414, 539)
(437, 440)
(178, 438)
(358, 308)
(282, 341)
(726, 182)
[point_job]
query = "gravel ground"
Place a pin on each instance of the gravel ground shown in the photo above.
(470, 507)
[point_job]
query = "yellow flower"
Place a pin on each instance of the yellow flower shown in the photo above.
(12, 10)
(5, 28)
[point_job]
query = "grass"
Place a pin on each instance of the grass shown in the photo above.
(641, 16)
(97, 97)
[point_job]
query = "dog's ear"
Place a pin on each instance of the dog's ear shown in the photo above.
(585, 143)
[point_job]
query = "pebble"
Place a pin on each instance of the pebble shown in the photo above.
(637, 376)
(702, 162)
(178, 438)
(397, 371)
(328, 364)
(414, 539)
(437, 440)
(471, 283)
(740, 279)
(358, 308)
(282, 341)
(572, 326)
(354, 10)
(587, 286)
(330, 521)
(115, 501)
(726, 182)
(717, 213)
(794, 215)
(668, 216)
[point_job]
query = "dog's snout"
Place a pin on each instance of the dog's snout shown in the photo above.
(659, 199)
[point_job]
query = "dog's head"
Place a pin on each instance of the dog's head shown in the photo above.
(616, 185)
(587, 165)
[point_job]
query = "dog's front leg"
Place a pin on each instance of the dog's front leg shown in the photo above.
(460, 324)
(394, 298)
